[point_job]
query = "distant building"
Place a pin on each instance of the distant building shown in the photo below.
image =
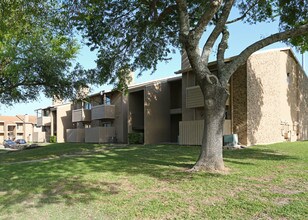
(53, 121)
(17, 127)
(100, 118)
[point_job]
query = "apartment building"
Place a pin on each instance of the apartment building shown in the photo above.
(17, 127)
(53, 121)
(155, 109)
(99, 118)
(268, 103)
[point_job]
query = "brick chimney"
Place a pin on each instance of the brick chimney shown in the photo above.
(26, 118)
(184, 62)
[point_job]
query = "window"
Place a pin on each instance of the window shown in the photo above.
(107, 101)
(228, 113)
(87, 105)
(107, 124)
(104, 123)
(19, 126)
(46, 112)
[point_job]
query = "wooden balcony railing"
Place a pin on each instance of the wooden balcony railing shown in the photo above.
(103, 112)
(42, 121)
(81, 115)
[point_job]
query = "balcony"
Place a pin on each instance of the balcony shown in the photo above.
(103, 112)
(81, 115)
(75, 135)
(194, 97)
(43, 121)
(99, 134)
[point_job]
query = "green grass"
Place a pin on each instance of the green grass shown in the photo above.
(84, 181)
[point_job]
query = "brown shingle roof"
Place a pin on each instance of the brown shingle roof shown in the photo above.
(18, 118)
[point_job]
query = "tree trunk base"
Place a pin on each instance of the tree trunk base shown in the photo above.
(213, 165)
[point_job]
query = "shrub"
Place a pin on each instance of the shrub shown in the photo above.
(135, 138)
(53, 139)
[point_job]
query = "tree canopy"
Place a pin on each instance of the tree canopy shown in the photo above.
(36, 51)
(139, 34)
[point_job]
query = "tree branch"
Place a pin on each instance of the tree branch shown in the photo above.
(23, 83)
(207, 48)
(206, 18)
(165, 13)
(244, 15)
(184, 17)
(244, 55)
(223, 45)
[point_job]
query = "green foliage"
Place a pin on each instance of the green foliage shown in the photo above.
(53, 139)
(36, 51)
(295, 13)
(135, 138)
(291, 13)
(128, 35)
(136, 35)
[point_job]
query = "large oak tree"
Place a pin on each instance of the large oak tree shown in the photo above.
(36, 51)
(138, 34)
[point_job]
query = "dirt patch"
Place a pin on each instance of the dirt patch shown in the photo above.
(262, 216)
(213, 200)
(284, 191)
(282, 201)
(264, 179)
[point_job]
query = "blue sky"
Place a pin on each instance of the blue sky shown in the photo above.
(241, 35)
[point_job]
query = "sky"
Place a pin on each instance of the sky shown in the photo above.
(241, 35)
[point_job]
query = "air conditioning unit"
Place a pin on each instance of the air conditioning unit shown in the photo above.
(231, 139)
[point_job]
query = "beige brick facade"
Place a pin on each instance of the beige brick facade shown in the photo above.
(239, 104)
(269, 97)
(273, 97)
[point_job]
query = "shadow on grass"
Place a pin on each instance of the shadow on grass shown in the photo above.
(257, 153)
(63, 180)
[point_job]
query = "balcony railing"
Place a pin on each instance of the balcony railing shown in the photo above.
(42, 121)
(81, 115)
(75, 135)
(191, 132)
(194, 97)
(103, 112)
(99, 134)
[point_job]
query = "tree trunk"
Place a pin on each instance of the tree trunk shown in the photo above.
(211, 158)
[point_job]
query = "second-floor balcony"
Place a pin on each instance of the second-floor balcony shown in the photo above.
(43, 120)
(81, 115)
(103, 112)
(194, 97)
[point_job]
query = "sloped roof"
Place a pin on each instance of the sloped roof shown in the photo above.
(18, 118)
(31, 119)
(213, 63)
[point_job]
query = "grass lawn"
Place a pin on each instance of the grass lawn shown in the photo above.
(84, 181)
